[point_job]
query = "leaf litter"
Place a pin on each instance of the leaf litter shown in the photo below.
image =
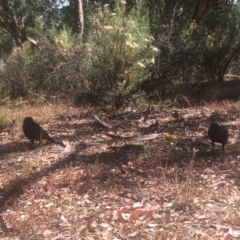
(119, 177)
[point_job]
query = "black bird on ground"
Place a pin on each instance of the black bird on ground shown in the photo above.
(33, 131)
(218, 133)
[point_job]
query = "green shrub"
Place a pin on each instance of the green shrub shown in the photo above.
(4, 121)
(118, 52)
(49, 68)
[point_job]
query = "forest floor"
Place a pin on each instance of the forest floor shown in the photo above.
(120, 177)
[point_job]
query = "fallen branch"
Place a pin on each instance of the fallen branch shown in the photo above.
(102, 122)
(71, 149)
(147, 137)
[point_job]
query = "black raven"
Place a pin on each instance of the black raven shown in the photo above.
(33, 131)
(218, 133)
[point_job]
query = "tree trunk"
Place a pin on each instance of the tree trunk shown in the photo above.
(78, 15)
(201, 8)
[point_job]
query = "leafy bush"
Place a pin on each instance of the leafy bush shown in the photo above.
(46, 69)
(219, 42)
(118, 53)
(191, 53)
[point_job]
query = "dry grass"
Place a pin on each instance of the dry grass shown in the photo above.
(173, 187)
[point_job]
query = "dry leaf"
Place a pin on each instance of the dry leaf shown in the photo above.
(49, 205)
(63, 218)
(47, 232)
(152, 225)
(135, 214)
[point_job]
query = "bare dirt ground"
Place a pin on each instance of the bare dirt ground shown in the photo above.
(154, 179)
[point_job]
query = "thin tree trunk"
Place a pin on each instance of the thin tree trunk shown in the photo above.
(79, 20)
